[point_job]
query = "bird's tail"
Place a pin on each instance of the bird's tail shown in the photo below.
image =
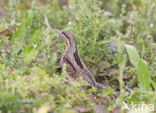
(91, 80)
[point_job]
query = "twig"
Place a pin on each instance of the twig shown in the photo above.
(46, 22)
(131, 33)
(36, 93)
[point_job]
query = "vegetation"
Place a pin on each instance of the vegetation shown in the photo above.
(116, 39)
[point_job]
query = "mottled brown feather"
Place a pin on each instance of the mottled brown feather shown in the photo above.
(74, 64)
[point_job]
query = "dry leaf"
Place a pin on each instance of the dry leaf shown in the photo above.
(6, 32)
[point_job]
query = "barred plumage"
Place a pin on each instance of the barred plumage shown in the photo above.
(74, 64)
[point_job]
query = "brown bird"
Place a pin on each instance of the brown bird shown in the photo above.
(74, 64)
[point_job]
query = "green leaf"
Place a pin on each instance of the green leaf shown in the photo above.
(19, 35)
(153, 84)
(133, 54)
(36, 36)
(18, 39)
(27, 50)
(32, 55)
(2, 66)
(30, 18)
(122, 63)
(143, 74)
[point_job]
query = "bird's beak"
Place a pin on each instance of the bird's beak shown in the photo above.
(59, 32)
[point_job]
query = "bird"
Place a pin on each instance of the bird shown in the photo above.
(75, 66)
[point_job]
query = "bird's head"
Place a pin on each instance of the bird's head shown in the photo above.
(69, 40)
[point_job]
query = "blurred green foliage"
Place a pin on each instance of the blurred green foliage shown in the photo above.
(29, 65)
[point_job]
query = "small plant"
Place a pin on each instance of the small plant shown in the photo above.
(141, 67)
